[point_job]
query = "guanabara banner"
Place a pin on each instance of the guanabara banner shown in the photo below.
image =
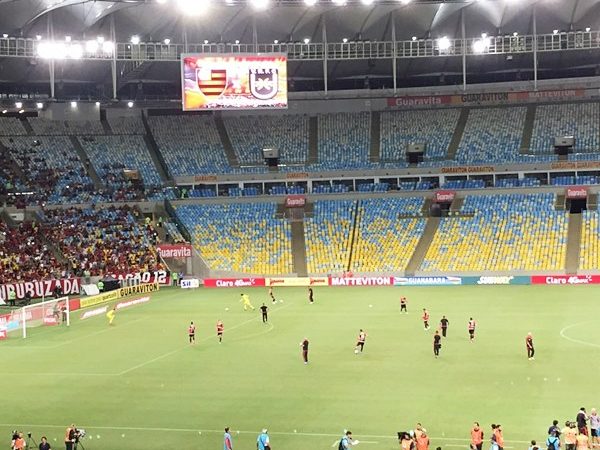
(242, 81)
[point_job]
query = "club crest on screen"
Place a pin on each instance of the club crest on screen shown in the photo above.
(264, 83)
(212, 82)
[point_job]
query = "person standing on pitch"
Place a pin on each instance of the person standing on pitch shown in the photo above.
(264, 309)
(192, 333)
(444, 325)
(425, 319)
(245, 300)
(437, 343)
(110, 315)
(227, 441)
(581, 420)
(403, 305)
(471, 328)
(304, 346)
(346, 442)
(263, 443)
(476, 437)
(360, 342)
(529, 345)
(273, 300)
(311, 300)
(595, 428)
(220, 329)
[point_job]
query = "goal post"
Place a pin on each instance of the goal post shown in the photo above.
(48, 312)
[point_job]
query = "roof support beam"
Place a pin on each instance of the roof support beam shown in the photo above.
(325, 68)
(535, 45)
(463, 36)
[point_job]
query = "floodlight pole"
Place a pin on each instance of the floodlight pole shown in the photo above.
(113, 63)
(254, 34)
(325, 68)
(51, 66)
(464, 48)
(535, 61)
(394, 53)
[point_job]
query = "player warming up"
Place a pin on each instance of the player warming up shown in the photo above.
(437, 343)
(311, 299)
(444, 325)
(403, 305)
(304, 346)
(471, 328)
(425, 318)
(273, 300)
(264, 309)
(245, 300)
(529, 345)
(110, 315)
(192, 333)
(220, 329)
(360, 342)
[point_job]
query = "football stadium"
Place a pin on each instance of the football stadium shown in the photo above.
(293, 224)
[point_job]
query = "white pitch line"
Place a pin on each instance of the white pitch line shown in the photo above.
(576, 341)
(177, 350)
(274, 433)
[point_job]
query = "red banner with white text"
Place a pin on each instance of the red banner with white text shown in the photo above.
(565, 279)
(234, 282)
(175, 250)
(37, 289)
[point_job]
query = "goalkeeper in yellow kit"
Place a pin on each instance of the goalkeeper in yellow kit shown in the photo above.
(245, 300)
(110, 315)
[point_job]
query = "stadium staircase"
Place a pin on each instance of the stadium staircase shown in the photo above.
(7, 219)
(157, 158)
(573, 243)
(528, 129)
(426, 206)
(89, 167)
(299, 249)
(355, 231)
(27, 126)
(14, 165)
(457, 204)
(418, 256)
(313, 140)
(105, 125)
(592, 202)
(374, 154)
(226, 141)
(560, 204)
(458, 133)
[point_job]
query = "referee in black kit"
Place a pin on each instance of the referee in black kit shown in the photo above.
(264, 310)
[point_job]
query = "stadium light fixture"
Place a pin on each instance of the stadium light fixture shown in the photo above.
(367, 2)
(339, 2)
(100, 39)
(588, 29)
(67, 38)
(135, 40)
(5, 35)
(205, 41)
(306, 40)
(405, 2)
(130, 104)
(75, 51)
(167, 41)
(193, 7)
(73, 104)
(161, 1)
(515, 34)
(554, 31)
(38, 37)
(310, 2)
(444, 43)
(4, 111)
(18, 105)
(108, 47)
(260, 4)
(414, 38)
(21, 111)
(237, 41)
(91, 46)
(345, 40)
(39, 105)
(276, 41)
(97, 103)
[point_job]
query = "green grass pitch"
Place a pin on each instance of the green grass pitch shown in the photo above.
(139, 385)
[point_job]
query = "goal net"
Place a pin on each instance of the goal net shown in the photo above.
(47, 313)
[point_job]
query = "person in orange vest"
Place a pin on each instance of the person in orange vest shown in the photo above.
(406, 442)
(497, 437)
(425, 319)
(423, 441)
(476, 437)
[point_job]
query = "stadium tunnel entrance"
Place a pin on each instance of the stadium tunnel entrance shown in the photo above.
(576, 205)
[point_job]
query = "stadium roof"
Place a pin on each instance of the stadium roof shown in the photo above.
(293, 21)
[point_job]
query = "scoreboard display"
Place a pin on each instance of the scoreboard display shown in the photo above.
(240, 81)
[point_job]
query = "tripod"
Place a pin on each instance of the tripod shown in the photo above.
(78, 444)
(30, 440)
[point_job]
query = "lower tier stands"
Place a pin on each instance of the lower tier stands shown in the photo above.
(506, 232)
(386, 235)
(589, 252)
(240, 237)
(328, 236)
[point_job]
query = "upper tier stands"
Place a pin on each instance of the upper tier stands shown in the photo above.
(189, 144)
(240, 237)
(385, 238)
(251, 134)
(328, 235)
(106, 241)
(507, 232)
(581, 120)
(492, 135)
(127, 125)
(25, 254)
(111, 155)
(432, 127)
(45, 127)
(11, 126)
(53, 169)
(344, 140)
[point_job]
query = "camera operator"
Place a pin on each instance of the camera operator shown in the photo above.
(18, 442)
(44, 445)
(70, 437)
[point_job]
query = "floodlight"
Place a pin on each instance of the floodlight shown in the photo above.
(68, 38)
(91, 46)
(161, 1)
(259, 4)
(100, 39)
(484, 35)
(345, 40)
(52, 50)
(75, 51)
(306, 40)
(73, 104)
(478, 46)
(18, 105)
(205, 41)
(310, 2)
(4, 111)
(237, 41)
(367, 2)
(167, 41)
(444, 43)
(414, 38)
(108, 47)
(130, 104)
(39, 105)
(135, 40)
(97, 103)
(554, 31)
(193, 7)
(405, 2)
(5, 35)
(276, 41)
(38, 37)
(339, 2)
(515, 34)
(588, 29)
(21, 111)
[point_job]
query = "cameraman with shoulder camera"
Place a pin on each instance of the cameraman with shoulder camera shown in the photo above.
(70, 437)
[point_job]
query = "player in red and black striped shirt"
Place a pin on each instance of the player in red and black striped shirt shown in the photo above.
(220, 329)
(192, 333)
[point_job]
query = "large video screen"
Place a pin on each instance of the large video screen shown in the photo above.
(243, 81)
